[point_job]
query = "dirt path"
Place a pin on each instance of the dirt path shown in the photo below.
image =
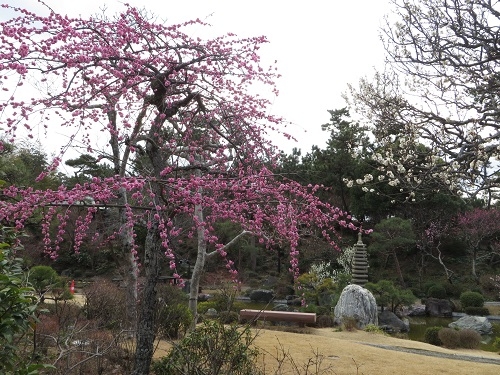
(431, 353)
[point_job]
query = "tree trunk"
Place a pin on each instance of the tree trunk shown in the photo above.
(132, 269)
(146, 325)
(198, 266)
(398, 268)
(473, 260)
(130, 278)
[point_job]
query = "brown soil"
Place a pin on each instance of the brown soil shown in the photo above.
(348, 353)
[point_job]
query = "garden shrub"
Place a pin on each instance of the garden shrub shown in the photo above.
(477, 311)
(469, 339)
(431, 336)
(314, 309)
(349, 323)
(437, 291)
(228, 317)
(239, 305)
(496, 343)
(174, 316)
(174, 320)
(449, 337)
(309, 308)
(389, 295)
(324, 321)
(17, 313)
(105, 302)
(212, 349)
(204, 306)
(471, 299)
(453, 290)
(373, 328)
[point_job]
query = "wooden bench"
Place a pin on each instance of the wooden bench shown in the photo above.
(247, 315)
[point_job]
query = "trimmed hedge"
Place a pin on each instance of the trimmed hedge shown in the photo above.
(477, 311)
(471, 299)
(431, 336)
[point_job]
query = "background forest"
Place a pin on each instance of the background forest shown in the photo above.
(437, 236)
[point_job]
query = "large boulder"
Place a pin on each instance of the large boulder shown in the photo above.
(480, 324)
(416, 310)
(389, 322)
(439, 307)
(358, 303)
(261, 295)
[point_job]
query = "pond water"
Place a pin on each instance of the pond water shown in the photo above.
(418, 325)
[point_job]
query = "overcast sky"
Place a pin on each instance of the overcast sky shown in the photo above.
(320, 46)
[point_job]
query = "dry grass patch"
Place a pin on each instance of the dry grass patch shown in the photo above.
(349, 353)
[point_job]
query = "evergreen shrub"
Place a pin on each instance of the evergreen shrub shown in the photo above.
(431, 336)
(477, 311)
(453, 290)
(496, 343)
(471, 299)
(324, 321)
(204, 306)
(174, 320)
(228, 317)
(212, 349)
(437, 291)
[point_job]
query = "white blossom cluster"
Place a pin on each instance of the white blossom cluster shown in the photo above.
(323, 270)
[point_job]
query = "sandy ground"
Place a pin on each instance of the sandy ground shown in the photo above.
(353, 353)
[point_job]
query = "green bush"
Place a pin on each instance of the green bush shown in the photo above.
(174, 316)
(389, 295)
(437, 291)
(212, 349)
(44, 279)
(204, 306)
(324, 321)
(477, 311)
(471, 299)
(174, 320)
(453, 290)
(496, 343)
(449, 337)
(373, 328)
(431, 336)
(228, 317)
(17, 312)
(469, 339)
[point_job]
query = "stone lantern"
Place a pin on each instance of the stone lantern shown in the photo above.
(359, 263)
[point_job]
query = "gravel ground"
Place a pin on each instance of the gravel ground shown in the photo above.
(460, 357)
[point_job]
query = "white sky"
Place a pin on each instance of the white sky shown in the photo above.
(320, 46)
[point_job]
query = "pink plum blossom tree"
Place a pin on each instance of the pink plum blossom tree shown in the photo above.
(480, 230)
(186, 105)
